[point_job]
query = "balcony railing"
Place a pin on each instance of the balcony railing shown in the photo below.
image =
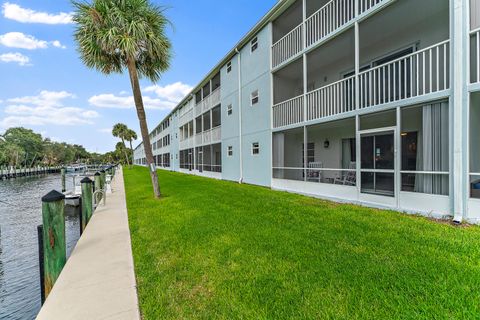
(336, 98)
(198, 139)
(417, 74)
(288, 112)
(421, 73)
(213, 135)
(365, 5)
(288, 46)
(475, 56)
(332, 16)
(329, 18)
(208, 102)
(186, 117)
(186, 143)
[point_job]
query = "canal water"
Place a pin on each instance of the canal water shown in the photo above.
(20, 214)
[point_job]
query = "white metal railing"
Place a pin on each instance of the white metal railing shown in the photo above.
(288, 112)
(329, 18)
(186, 143)
(216, 134)
(365, 5)
(420, 73)
(198, 138)
(208, 102)
(198, 108)
(475, 56)
(335, 98)
(207, 136)
(288, 46)
(186, 117)
(215, 97)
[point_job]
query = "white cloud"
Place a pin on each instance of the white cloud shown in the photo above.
(16, 57)
(46, 108)
(167, 98)
(25, 41)
(174, 92)
(44, 98)
(15, 12)
(109, 100)
(57, 44)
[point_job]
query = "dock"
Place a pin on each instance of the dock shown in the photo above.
(98, 281)
(12, 173)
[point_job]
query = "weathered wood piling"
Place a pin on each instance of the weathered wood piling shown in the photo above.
(54, 244)
(87, 202)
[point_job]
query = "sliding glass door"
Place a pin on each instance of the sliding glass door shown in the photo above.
(378, 162)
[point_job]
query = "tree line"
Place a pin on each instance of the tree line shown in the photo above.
(21, 147)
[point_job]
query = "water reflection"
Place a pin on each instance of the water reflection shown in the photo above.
(19, 270)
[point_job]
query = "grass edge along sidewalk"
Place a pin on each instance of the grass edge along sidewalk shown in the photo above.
(216, 249)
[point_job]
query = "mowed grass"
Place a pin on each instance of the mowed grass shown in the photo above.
(219, 250)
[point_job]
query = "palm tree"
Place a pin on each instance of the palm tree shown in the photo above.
(125, 34)
(130, 136)
(120, 130)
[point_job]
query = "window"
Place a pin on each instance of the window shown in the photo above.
(255, 148)
(229, 110)
(254, 44)
(254, 97)
(229, 67)
(230, 151)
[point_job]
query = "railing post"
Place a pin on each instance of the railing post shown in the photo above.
(87, 202)
(54, 247)
(63, 171)
(103, 180)
(97, 182)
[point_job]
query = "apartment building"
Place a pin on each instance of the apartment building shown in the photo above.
(375, 102)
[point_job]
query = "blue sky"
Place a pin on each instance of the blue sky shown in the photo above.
(45, 87)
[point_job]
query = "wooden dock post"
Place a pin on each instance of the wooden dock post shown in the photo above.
(103, 175)
(87, 204)
(40, 263)
(63, 171)
(54, 244)
(97, 182)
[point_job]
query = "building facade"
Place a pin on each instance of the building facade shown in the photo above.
(374, 102)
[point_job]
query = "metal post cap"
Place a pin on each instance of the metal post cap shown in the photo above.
(53, 196)
(86, 180)
(97, 174)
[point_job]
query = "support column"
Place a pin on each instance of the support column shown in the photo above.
(459, 107)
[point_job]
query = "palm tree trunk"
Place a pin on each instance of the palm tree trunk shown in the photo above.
(126, 153)
(137, 96)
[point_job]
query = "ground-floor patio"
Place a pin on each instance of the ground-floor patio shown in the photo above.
(216, 249)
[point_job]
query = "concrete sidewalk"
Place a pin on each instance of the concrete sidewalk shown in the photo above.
(98, 281)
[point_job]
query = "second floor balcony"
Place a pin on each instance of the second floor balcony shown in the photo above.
(413, 75)
(327, 18)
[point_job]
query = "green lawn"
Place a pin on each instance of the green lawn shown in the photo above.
(218, 250)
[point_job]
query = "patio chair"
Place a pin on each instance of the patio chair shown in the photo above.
(348, 178)
(313, 172)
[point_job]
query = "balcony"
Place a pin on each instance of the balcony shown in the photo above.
(186, 143)
(320, 25)
(185, 116)
(414, 75)
(213, 135)
(208, 102)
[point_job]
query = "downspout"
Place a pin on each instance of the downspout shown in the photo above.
(240, 112)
